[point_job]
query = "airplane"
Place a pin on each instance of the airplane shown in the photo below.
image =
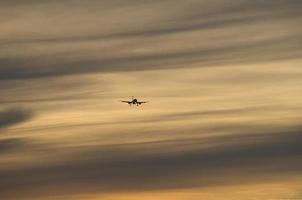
(134, 102)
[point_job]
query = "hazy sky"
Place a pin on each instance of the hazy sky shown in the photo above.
(224, 83)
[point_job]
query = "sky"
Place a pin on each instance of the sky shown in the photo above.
(222, 78)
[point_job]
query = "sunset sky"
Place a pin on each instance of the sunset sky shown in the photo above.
(223, 81)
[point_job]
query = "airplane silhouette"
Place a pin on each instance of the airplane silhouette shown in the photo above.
(134, 102)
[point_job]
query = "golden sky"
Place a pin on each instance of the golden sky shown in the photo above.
(224, 83)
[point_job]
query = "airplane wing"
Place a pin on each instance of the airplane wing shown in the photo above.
(126, 101)
(142, 102)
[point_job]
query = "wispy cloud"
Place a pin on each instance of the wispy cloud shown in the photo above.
(225, 160)
(14, 116)
(222, 78)
(11, 144)
(84, 52)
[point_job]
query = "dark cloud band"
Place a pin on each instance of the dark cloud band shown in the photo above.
(225, 160)
(14, 116)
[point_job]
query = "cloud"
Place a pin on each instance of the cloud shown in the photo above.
(12, 116)
(7, 145)
(161, 165)
(208, 127)
(155, 119)
(272, 49)
(225, 25)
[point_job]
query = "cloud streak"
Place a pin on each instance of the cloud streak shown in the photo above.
(14, 116)
(234, 18)
(226, 160)
(11, 144)
(286, 48)
(222, 80)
